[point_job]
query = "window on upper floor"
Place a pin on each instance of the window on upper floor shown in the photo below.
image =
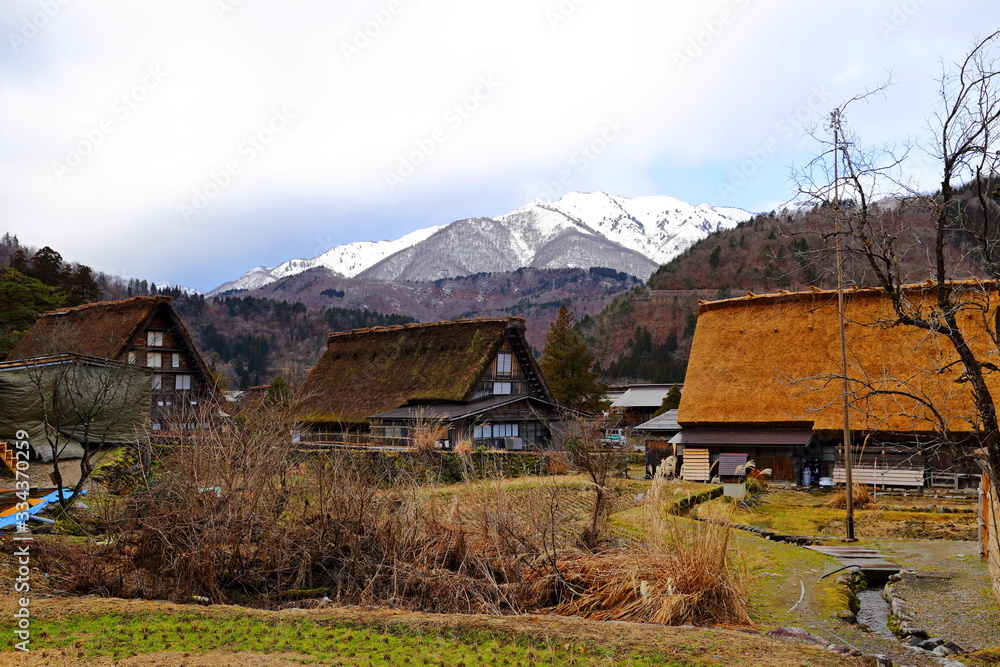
(500, 388)
(154, 359)
(175, 360)
(182, 383)
(504, 363)
(154, 338)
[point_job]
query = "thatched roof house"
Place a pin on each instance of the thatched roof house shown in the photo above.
(463, 373)
(771, 363)
(144, 331)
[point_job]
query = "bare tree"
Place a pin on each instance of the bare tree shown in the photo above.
(79, 403)
(957, 236)
(581, 437)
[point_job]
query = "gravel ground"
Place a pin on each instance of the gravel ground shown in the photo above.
(961, 609)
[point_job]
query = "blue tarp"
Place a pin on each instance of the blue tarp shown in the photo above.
(7, 521)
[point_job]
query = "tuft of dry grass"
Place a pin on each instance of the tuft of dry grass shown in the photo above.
(862, 498)
(683, 576)
(681, 572)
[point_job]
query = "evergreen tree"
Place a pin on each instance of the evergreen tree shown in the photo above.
(81, 287)
(566, 363)
(22, 298)
(671, 401)
(47, 266)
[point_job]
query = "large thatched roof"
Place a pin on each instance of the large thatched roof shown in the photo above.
(368, 371)
(774, 360)
(107, 329)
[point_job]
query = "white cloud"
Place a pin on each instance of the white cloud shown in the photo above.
(702, 87)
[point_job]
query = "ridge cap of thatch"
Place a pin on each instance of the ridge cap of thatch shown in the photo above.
(121, 304)
(854, 291)
(508, 321)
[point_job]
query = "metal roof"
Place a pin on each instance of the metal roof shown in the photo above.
(753, 438)
(643, 396)
(665, 422)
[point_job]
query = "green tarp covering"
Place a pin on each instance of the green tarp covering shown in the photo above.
(67, 401)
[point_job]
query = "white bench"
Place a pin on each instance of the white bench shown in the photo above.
(881, 476)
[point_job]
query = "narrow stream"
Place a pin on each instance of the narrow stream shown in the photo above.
(874, 612)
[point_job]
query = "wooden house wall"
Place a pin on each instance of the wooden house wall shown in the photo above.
(172, 406)
(784, 462)
(515, 376)
(657, 449)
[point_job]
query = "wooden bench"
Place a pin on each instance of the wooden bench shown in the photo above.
(881, 476)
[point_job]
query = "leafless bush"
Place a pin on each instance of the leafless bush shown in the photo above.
(233, 514)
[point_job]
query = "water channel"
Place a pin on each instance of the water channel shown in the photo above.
(874, 612)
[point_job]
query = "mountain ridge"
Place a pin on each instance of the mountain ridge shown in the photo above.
(580, 230)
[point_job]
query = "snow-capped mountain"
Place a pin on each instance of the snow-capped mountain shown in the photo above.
(580, 230)
(347, 260)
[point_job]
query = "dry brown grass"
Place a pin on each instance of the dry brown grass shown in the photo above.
(681, 572)
(862, 497)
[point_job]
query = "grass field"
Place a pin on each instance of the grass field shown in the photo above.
(120, 632)
(803, 513)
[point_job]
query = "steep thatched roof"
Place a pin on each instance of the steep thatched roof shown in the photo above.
(106, 329)
(774, 360)
(368, 371)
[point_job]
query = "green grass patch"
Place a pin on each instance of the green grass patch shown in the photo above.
(314, 641)
(805, 513)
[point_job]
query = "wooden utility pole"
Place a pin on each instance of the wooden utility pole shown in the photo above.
(848, 477)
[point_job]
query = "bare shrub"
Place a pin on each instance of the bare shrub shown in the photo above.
(862, 498)
(680, 572)
(233, 514)
(579, 439)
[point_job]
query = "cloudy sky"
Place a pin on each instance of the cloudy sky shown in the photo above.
(190, 140)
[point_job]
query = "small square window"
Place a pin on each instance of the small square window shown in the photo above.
(154, 338)
(182, 383)
(501, 388)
